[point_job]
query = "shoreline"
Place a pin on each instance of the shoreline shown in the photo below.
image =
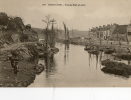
(28, 67)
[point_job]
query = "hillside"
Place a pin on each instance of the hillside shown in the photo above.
(13, 29)
(38, 30)
(61, 34)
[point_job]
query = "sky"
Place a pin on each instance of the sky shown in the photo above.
(94, 13)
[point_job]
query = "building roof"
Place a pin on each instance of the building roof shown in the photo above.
(129, 28)
(120, 29)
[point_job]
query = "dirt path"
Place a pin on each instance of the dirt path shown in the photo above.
(15, 46)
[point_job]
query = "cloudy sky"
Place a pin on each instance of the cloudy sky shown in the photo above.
(96, 12)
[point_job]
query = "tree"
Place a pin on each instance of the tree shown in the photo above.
(11, 24)
(3, 19)
(15, 24)
(47, 21)
(28, 26)
(19, 23)
(48, 36)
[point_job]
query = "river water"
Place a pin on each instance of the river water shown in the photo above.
(74, 67)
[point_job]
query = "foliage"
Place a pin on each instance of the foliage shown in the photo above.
(16, 24)
(28, 26)
(24, 38)
(3, 19)
(12, 23)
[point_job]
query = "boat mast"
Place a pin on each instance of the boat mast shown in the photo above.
(65, 28)
(67, 37)
(52, 35)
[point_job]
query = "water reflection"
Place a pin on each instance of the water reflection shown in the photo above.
(96, 60)
(89, 59)
(49, 65)
(81, 69)
(100, 58)
(94, 56)
(66, 53)
(91, 56)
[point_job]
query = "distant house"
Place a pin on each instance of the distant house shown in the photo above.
(103, 32)
(119, 32)
(111, 32)
(129, 29)
(120, 29)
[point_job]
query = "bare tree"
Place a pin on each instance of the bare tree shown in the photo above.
(49, 21)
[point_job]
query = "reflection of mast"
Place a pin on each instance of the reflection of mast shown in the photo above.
(67, 37)
(100, 58)
(96, 60)
(66, 53)
(50, 65)
(89, 59)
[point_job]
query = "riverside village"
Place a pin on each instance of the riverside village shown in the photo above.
(63, 57)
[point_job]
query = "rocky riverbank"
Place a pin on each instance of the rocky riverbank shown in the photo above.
(116, 68)
(28, 67)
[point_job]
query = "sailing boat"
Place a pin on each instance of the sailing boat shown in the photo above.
(67, 37)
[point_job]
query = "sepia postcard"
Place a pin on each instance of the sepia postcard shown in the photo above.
(65, 43)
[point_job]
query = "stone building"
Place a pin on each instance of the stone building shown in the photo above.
(113, 32)
(104, 32)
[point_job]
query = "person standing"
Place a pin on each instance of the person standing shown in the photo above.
(14, 60)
